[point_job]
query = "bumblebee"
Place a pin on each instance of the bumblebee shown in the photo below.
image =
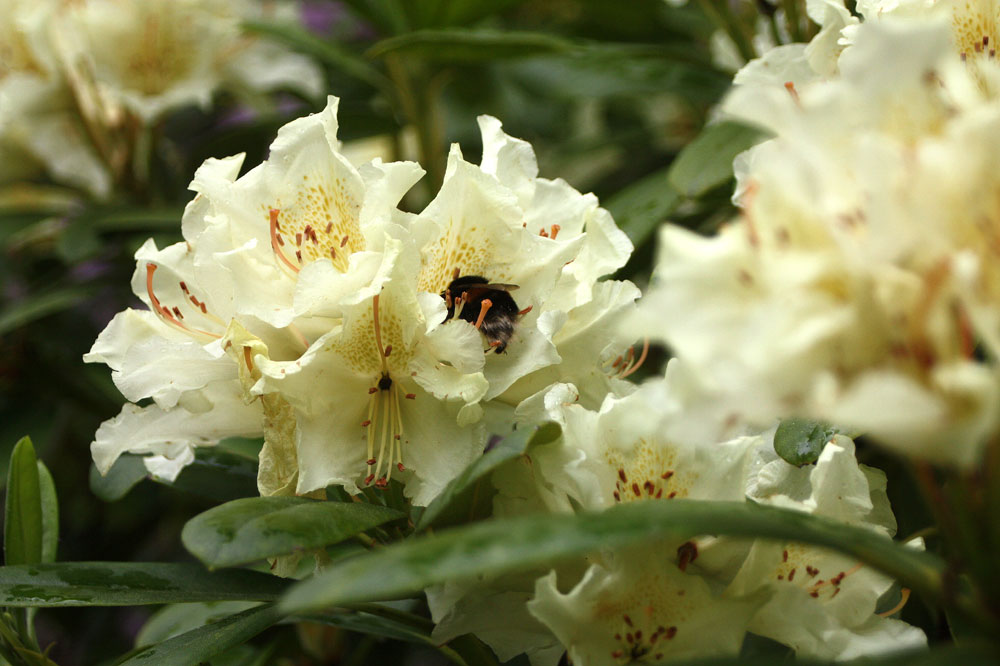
(489, 307)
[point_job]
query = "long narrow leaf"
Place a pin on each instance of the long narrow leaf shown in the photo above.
(198, 645)
(502, 546)
(130, 584)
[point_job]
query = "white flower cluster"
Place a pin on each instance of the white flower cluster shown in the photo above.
(305, 307)
(79, 80)
(670, 600)
(860, 283)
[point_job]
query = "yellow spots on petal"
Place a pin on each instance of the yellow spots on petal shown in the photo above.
(974, 27)
(318, 219)
(643, 619)
(649, 472)
(359, 347)
(470, 249)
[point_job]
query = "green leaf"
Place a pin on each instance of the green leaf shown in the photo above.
(463, 493)
(642, 206)
(503, 546)
(198, 645)
(50, 513)
(431, 13)
(940, 655)
(22, 543)
(462, 45)
(707, 162)
(127, 471)
(254, 528)
(176, 619)
(800, 441)
(217, 474)
(130, 584)
(37, 306)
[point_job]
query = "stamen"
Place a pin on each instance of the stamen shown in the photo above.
(485, 306)
(554, 231)
(903, 593)
(639, 362)
(174, 316)
(790, 87)
(277, 242)
(525, 311)
(411, 396)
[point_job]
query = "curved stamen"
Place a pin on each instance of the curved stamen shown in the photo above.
(277, 241)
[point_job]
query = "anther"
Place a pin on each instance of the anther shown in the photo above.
(184, 287)
(666, 475)
(371, 461)
(343, 241)
(483, 309)
(399, 466)
(368, 479)
(554, 231)
(366, 423)
(411, 396)
(298, 255)
(790, 87)
(525, 311)
(373, 389)
(635, 489)
(784, 556)
(621, 475)
(177, 312)
(381, 483)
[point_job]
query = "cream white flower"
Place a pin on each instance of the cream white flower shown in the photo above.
(156, 55)
(80, 80)
(860, 277)
(618, 605)
(39, 124)
(822, 603)
(321, 303)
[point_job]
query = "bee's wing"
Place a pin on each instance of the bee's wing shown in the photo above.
(501, 287)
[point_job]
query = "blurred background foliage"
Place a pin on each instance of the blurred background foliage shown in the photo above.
(614, 97)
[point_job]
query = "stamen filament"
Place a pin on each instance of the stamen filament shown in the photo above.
(277, 242)
(639, 361)
(483, 309)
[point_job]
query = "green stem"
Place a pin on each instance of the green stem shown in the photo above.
(390, 613)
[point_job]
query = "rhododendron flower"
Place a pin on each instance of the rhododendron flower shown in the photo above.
(861, 275)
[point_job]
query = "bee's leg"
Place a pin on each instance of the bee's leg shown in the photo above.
(525, 311)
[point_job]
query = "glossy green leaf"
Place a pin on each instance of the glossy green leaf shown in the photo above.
(501, 546)
(463, 45)
(707, 162)
(254, 528)
(124, 474)
(640, 208)
(50, 513)
(37, 306)
(22, 543)
(431, 13)
(130, 584)
(176, 619)
(464, 492)
(800, 441)
(198, 645)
